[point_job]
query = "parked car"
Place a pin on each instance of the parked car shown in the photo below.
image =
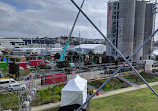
(4, 83)
(16, 87)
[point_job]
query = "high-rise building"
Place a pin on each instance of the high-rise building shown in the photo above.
(129, 23)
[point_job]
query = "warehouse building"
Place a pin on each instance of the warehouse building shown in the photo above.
(86, 48)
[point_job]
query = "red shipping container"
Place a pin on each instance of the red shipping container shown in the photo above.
(36, 62)
(22, 64)
(52, 57)
(55, 77)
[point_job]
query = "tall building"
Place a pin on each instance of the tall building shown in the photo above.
(129, 23)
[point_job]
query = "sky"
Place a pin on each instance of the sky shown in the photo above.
(51, 18)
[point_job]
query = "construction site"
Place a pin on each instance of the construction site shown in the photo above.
(124, 78)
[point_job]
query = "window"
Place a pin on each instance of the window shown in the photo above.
(140, 58)
(12, 81)
(4, 82)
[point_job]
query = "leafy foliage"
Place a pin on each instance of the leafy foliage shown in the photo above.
(111, 85)
(57, 56)
(62, 64)
(4, 52)
(136, 79)
(14, 69)
(49, 95)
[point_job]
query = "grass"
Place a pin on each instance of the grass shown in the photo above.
(5, 71)
(49, 95)
(9, 101)
(136, 79)
(111, 85)
(118, 84)
(139, 100)
(24, 72)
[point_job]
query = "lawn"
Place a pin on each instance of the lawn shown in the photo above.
(111, 85)
(138, 100)
(49, 95)
(136, 79)
(118, 84)
(9, 101)
(24, 72)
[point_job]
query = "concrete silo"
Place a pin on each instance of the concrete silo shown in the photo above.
(126, 26)
(139, 28)
(149, 27)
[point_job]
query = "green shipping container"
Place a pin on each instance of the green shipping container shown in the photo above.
(3, 65)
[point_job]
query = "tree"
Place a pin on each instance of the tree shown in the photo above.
(156, 58)
(63, 64)
(75, 56)
(104, 53)
(69, 56)
(14, 69)
(4, 52)
(57, 56)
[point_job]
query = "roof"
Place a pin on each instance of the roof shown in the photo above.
(155, 52)
(88, 46)
(1, 80)
(76, 84)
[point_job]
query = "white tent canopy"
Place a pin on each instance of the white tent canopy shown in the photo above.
(75, 92)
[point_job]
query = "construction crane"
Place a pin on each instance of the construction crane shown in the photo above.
(62, 57)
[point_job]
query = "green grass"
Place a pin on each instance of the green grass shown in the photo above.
(9, 101)
(24, 72)
(49, 95)
(111, 85)
(136, 79)
(139, 100)
(5, 71)
(118, 84)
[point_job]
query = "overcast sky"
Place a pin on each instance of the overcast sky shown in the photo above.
(32, 18)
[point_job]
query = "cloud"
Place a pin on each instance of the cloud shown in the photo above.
(31, 18)
(48, 18)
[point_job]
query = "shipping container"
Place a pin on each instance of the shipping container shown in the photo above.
(37, 62)
(22, 64)
(23, 58)
(55, 77)
(3, 65)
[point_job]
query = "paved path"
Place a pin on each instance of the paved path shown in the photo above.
(46, 106)
(110, 93)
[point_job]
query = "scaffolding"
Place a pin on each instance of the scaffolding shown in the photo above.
(112, 24)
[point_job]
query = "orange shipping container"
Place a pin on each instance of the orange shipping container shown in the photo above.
(23, 58)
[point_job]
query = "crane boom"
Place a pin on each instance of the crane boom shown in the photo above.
(62, 57)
